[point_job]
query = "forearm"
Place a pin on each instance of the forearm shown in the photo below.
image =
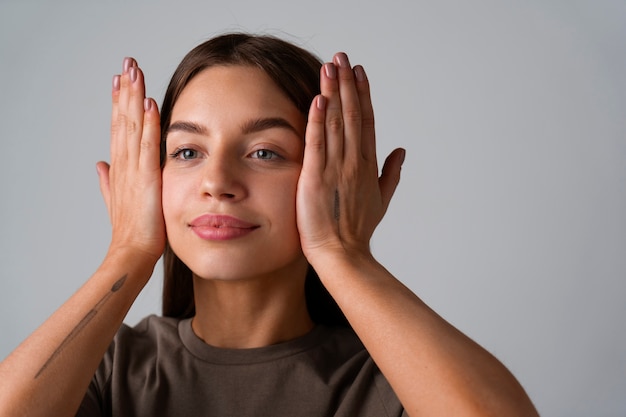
(434, 368)
(49, 372)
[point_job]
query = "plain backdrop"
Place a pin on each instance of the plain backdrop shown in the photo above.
(510, 219)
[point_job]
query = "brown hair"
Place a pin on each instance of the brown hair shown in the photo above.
(296, 72)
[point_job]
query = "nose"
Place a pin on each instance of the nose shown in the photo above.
(222, 179)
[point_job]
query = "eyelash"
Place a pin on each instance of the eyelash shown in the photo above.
(178, 154)
(272, 154)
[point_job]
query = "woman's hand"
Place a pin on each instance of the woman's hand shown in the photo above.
(341, 199)
(131, 185)
(57, 361)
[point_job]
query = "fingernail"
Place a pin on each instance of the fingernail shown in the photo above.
(147, 104)
(128, 63)
(331, 71)
(359, 73)
(402, 156)
(341, 59)
(132, 72)
(321, 102)
(116, 83)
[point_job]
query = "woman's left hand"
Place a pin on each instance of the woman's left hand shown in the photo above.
(340, 198)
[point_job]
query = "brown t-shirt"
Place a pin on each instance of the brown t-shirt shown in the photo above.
(161, 368)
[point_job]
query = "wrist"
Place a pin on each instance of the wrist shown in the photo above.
(131, 260)
(330, 262)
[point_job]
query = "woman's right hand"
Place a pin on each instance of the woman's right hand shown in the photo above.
(131, 184)
(56, 362)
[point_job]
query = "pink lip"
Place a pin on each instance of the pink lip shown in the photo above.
(221, 227)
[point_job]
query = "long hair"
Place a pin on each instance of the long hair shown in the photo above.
(296, 72)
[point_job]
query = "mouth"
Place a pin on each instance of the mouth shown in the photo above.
(221, 227)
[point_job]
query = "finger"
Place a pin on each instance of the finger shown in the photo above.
(149, 157)
(116, 94)
(368, 136)
(102, 168)
(390, 176)
(134, 126)
(127, 112)
(314, 141)
(333, 128)
(350, 106)
(118, 116)
(115, 99)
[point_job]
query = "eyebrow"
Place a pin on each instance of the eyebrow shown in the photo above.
(188, 127)
(257, 125)
(251, 126)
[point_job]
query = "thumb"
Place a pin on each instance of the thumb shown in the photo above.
(390, 176)
(103, 177)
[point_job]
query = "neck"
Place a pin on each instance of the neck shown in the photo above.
(253, 312)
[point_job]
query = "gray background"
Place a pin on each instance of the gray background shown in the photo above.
(510, 219)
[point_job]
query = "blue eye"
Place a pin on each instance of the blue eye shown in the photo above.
(264, 154)
(185, 154)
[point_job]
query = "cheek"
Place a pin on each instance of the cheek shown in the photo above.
(283, 199)
(172, 192)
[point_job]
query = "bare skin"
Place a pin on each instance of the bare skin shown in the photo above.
(243, 164)
(49, 372)
(434, 369)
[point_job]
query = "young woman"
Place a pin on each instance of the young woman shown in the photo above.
(259, 184)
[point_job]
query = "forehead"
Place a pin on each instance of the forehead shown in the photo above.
(233, 93)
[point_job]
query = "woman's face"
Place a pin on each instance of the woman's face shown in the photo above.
(234, 153)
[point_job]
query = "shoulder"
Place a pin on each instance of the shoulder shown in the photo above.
(144, 334)
(132, 352)
(357, 380)
(140, 343)
(150, 327)
(340, 343)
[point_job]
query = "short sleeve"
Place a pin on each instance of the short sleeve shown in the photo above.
(91, 405)
(94, 403)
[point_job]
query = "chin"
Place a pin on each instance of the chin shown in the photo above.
(235, 267)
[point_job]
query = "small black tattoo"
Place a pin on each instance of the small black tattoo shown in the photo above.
(118, 284)
(83, 322)
(336, 205)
